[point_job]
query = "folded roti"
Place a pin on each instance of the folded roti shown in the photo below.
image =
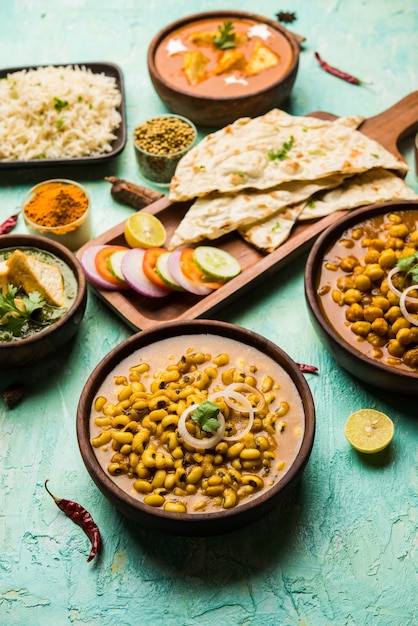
(217, 214)
(359, 190)
(276, 148)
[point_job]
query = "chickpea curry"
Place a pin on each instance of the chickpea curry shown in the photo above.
(197, 424)
(368, 288)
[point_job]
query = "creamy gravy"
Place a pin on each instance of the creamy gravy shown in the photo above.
(169, 351)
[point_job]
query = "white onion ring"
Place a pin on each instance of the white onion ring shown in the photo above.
(200, 444)
(402, 304)
(244, 386)
(229, 393)
(393, 271)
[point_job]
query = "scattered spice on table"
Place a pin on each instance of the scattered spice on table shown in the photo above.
(307, 369)
(287, 17)
(13, 394)
(56, 204)
(133, 195)
(8, 225)
(82, 517)
(336, 72)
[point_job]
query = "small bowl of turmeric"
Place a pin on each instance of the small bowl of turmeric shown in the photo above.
(59, 209)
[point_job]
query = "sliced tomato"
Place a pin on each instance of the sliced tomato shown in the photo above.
(193, 273)
(102, 265)
(149, 266)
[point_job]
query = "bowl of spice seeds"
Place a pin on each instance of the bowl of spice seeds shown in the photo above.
(59, 209)
(160, 143)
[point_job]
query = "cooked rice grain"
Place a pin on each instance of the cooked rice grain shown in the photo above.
(57, 112)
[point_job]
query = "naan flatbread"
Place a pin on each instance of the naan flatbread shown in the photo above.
(215, 215)
(276, 148)
(367, 188)
(359, 190)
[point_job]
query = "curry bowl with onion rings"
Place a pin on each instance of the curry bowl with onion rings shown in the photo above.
(196, 427)
(361, 287)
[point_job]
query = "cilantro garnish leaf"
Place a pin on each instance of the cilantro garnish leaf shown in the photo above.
(409, 265)
(206, 415)
(12, 316)
(281, 154)
(226, 37)
(59, 105)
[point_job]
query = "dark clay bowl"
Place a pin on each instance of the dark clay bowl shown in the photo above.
(217, 110)
(49, 340)
(367, 369)
(190, 524)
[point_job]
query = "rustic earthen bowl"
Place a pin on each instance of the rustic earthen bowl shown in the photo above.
(346, 353)
(190, 524)
(48, 341)
(218, 109)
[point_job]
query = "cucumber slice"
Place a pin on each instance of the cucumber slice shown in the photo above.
(114, 262)
(216, 262)
(161, 267)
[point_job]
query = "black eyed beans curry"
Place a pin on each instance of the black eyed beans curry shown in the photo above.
(361, 284)
(135, 424)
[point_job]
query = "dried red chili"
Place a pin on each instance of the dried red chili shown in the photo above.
(309, 369)
(336, 72)
(8, 224)
(82, 517)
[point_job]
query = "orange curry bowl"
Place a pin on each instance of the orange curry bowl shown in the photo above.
(219, 66)
(196, 427)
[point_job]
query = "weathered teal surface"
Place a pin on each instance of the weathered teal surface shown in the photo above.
(345, 550)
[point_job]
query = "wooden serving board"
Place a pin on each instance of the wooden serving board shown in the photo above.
(142, 313)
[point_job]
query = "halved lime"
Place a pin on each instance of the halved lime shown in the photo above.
(144, 230)
(216, 262)
(369, 430)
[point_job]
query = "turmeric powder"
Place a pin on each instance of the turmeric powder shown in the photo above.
(56, 204)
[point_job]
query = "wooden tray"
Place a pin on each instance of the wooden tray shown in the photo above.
(142, 313)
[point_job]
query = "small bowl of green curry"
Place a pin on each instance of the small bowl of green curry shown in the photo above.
(43, 296)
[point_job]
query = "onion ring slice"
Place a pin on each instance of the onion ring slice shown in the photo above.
(245, 407)
(253, 390)
(393, 271)
(200, 444)
(402, 305)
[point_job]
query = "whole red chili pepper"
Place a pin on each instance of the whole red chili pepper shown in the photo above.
(8, 224)
(82, 517)
(336, 72)
(310, 369)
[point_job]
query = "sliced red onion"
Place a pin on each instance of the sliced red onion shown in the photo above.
(131, 267)
(402, 305)
(89, 265)
(200, 444)
(175, 270)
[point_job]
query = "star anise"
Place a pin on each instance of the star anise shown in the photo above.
(286, 16)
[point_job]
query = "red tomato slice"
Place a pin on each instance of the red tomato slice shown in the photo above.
(193, 273)
(148, 265)
(102, 265)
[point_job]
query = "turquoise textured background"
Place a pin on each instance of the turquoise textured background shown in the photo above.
(344, 550)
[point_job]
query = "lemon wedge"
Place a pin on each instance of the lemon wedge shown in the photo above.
(369, 431)
(144, 230)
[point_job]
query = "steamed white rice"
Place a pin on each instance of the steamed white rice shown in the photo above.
(57, 112)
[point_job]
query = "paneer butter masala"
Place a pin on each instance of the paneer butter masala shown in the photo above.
(196, 424)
